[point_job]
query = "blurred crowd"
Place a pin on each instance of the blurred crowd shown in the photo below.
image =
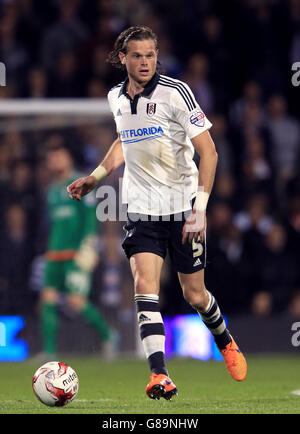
(237, 57)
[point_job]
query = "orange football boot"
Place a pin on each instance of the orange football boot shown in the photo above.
(235, 361)
(161, 386)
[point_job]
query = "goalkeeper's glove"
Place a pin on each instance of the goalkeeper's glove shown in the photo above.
(87, 256)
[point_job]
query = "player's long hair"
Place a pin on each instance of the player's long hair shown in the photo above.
(136, 33)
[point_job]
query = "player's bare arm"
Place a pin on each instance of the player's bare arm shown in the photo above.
(112, 160)
(195, 224)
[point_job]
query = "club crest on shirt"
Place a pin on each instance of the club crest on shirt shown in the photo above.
(151, 108)
(197, 118)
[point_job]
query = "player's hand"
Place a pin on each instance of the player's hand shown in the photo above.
(194, 227)
(81, 187)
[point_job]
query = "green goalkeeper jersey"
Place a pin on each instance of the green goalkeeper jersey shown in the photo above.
(71, 221)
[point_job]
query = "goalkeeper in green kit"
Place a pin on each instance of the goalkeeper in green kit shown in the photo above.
(71, 254)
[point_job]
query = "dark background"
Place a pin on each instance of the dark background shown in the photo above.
(237, 57)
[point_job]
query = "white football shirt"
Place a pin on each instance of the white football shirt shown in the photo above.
(155, 128)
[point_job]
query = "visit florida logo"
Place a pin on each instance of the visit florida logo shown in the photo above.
(135, 135)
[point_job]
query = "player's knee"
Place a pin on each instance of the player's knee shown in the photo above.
(49, 296)
(196, 296)
(144, 285)
(76, 302)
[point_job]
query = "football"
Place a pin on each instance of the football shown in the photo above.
(55, 384)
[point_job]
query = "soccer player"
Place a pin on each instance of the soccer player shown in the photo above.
(159, 126)
(71, 254)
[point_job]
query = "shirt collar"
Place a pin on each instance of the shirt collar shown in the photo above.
(148, 89)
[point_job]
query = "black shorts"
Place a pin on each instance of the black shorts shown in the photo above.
(161, 236)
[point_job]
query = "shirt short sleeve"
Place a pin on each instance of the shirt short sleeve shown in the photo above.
(111, 106)
(187, 112)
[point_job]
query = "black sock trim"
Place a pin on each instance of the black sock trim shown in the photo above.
(157, 363)
(152, 329)
(149, 306)
(223, 339)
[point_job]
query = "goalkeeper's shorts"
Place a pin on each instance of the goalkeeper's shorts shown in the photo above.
(67, 277)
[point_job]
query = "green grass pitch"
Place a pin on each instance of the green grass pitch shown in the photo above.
(118, 387)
